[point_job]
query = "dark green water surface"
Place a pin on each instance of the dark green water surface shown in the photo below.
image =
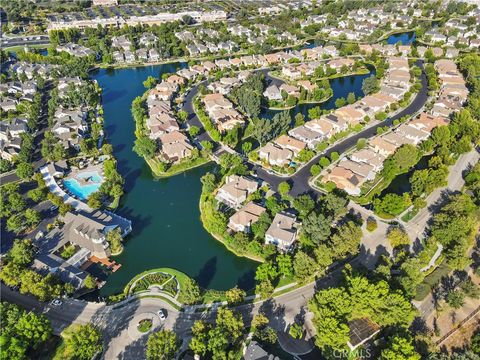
(167, 231)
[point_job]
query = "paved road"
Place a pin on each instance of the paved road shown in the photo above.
(299, 181)
(416, 226)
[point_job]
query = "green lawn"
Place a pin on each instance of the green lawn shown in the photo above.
(431, 280)
(144, 325)
(176, 169)
(179, 276)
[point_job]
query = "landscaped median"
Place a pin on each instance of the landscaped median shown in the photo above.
(159, 277)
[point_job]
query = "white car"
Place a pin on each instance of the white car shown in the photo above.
(162, 314)
(57, 302)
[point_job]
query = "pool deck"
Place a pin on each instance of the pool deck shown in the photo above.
(57, 190)
(76, 174)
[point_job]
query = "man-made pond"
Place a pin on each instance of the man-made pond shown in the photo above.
(167, 231)
(405, 38)
(341, 86)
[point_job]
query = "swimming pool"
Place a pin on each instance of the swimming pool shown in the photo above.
(83, 189)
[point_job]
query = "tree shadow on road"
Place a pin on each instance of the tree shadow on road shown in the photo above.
(114, 320)
(275, 313)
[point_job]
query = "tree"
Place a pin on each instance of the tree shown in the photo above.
(32, 217)
(193, 131)
(264, 289)
(315, 170)
(441, 135)
(398, 237)
(315, 229)
(285, 266)
(283, 189)
(324, 162)
(334, 156)
(392, 204)
(235, 295)
(207, 146)
(182, 115)
(265, 130)
(227, 330)
(21, 331)
(453, 226)
(15, 223)
(315, 112)
(260, 227)
(144, 146)
(361, 143)
(304, 204)
(24, 170)
(232, 137)
(247, 147)
(10, 274)
(150, 82)
(299, 119)
(90, 282)
(199, 342)
(21, 252)
(351, 98)
(334, 307)
(370, 85)
(82, 342)
(346, 240)
(189, 291)
(296, 331)
(399, 348)
(266, 271)
(37, 194)
(162, 345)
(303, 265)
(107, 149)
(36, 329)
(208, 183)
(95, 200)
(42, 287)
(456, 299)
(340, 102)
(232, 164)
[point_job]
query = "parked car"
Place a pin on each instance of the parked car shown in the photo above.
(162, 314)
(57, 302)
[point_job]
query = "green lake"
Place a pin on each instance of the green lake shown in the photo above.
(167, 231)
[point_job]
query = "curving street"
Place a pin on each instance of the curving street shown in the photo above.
(299, 180)
(118, 322)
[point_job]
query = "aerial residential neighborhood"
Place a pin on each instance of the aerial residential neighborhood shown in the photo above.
(239, 179)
